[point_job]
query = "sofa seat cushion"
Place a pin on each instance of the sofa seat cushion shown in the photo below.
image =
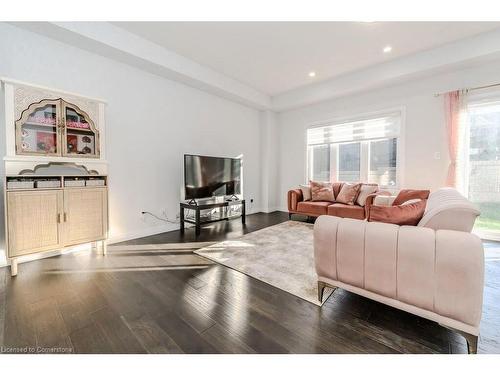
(313, 208)
(348, 211)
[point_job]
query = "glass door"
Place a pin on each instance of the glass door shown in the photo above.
(482, 166)
(38, 129)
(80, 136)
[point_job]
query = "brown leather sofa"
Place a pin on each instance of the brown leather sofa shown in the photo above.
(297, 205)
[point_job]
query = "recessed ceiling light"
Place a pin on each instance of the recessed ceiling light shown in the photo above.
(312, 74)
(387, 49)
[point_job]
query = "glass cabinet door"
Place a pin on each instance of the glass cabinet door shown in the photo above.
(80, 136)
(38, 131)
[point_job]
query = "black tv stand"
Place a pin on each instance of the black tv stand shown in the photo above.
(199, 206)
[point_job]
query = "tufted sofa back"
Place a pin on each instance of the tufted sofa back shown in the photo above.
(448, 209)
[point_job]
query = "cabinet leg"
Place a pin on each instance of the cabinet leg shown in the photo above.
(104, 247)
(13, 267)
(93, 246)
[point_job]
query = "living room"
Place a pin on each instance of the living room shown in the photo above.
(190, 187)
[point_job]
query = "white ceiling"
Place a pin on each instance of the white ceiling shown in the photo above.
(275, 57)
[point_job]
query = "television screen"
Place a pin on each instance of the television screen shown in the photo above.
(208, 176)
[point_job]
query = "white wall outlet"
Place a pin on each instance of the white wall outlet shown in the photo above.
(437, 155)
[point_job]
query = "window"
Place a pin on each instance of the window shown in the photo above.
(383, 157)
(481, 166)
(349, 162)
(364, 150)
(319, 157)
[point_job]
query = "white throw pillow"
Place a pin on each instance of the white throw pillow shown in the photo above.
(306, 192)
(411, 201)
(366, 190)
(384, 200)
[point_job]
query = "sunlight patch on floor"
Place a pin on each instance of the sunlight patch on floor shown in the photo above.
(129, 269)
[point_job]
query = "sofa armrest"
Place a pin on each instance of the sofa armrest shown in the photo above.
(448, 209)
(371, 198)
(294, 197)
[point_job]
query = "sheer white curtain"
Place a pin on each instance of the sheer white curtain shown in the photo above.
(455, 106)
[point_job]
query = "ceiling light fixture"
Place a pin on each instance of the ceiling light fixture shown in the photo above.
(387, 49)
(312, 74)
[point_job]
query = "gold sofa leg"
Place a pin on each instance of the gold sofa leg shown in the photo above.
(471, 340)
(321, 289)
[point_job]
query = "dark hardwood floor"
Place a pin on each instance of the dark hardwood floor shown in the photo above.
(176, 302)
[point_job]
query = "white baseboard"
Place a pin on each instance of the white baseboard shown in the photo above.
(273, 209)
(151, 231)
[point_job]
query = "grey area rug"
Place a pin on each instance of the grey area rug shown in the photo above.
(280, 255)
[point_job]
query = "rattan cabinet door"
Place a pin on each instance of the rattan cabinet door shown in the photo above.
(85, 215)
(32, 221)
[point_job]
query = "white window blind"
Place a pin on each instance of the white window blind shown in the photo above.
(386, 126)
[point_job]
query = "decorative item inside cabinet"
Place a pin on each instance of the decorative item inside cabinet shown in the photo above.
(30, 182)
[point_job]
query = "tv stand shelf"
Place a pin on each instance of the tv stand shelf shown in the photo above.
(223, 213)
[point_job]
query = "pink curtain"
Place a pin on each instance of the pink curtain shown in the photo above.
(452, 109)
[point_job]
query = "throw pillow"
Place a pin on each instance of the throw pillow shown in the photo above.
(306, 192)
(348, 193)
(321, 191)
(384, 200)
(407, 194)
(364, 192)
(408, 214)
(336, 188)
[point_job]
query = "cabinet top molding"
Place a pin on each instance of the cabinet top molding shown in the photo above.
(22, 83)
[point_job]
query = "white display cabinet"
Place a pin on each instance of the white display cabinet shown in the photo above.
(56, 183)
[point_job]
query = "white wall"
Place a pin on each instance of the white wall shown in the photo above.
(424, 129)
(269, 153)
(151, 122)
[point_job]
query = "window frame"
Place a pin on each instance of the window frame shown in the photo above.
(365, 149)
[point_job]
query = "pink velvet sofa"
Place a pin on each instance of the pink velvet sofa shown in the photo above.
(434, 270)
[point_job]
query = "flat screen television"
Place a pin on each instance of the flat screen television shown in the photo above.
(209, 176)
